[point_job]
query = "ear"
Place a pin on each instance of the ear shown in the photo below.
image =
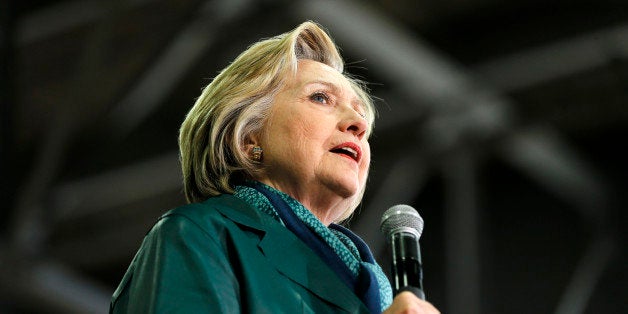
(251, 141)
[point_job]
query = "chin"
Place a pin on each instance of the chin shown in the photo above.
(344, 184)
(347, 189)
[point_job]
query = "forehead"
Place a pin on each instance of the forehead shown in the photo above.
(306, 67)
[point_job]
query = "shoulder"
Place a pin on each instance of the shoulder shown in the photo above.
(209, 207)
(211, 216)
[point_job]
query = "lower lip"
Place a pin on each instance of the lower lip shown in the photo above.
(348, 157)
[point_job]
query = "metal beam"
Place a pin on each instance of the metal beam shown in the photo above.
(62, 16)
(47, 286)
(541, 154)
(117, 187)
(462, 232)
(7, 111)
(556, 60)
(588, 273)
(177, 58)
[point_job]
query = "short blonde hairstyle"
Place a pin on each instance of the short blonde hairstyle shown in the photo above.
(236, 104)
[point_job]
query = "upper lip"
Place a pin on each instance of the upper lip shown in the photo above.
(351, 149)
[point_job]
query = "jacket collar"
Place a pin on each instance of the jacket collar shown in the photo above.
(290, 256)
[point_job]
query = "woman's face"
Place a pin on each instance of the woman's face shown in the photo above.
(314, 142)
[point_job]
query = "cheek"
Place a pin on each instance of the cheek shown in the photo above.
(311, 133)
(312, 128)
(300, 139)
(297, 125)
(294, 143)
(366, 155)
(365, 164)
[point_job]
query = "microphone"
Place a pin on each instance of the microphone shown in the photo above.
(402, 225)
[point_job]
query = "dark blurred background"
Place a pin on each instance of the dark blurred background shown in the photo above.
(502, 122)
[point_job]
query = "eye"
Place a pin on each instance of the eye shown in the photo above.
(320, 97)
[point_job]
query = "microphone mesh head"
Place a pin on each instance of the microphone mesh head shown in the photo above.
(401, 217)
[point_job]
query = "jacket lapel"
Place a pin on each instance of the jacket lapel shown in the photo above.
(291, 256)
(295, 260)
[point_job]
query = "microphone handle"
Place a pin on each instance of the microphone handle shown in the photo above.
(406, 264)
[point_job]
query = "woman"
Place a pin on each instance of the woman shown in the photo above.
(274, 153)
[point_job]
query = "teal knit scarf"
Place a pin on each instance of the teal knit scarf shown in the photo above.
(341, 244)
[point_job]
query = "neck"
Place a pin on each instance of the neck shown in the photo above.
(324, 204)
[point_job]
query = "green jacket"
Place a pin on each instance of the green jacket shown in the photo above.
(223, 256)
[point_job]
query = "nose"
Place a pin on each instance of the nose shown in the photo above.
(354, 122)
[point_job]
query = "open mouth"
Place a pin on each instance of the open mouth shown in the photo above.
(349, 150)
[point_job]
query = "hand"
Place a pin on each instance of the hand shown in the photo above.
(407, 303)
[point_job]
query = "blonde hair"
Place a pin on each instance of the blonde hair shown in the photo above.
(236, 104)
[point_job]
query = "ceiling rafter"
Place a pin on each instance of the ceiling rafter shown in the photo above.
(555, 60)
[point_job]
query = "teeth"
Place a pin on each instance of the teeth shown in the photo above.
(346, 150)
(351, 151)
